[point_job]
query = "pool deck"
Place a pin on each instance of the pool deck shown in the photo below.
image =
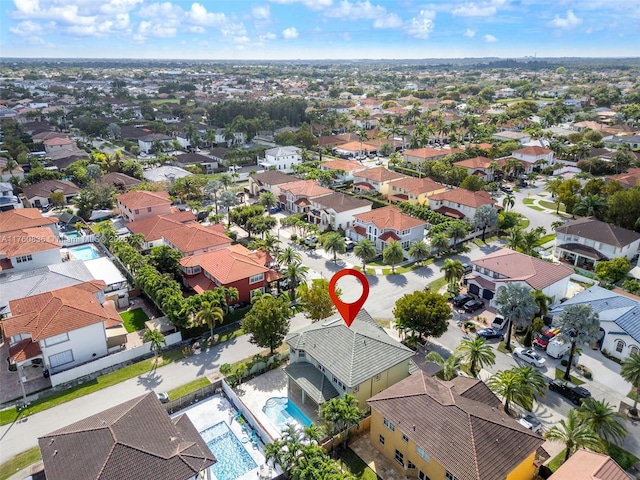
(217, 409)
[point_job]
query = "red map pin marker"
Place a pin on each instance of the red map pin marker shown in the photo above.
(348, 311)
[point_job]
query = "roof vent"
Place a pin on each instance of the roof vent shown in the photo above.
(55, 452)
(414, 428)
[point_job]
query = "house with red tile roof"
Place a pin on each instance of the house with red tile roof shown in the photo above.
(19, 219)
(374, 179)
(5, 175)
(414, 190)
(420, 155)
(153, 228)
(296, 196)
(233, 266)
(586, 465)
(58, 143)
(628, 180)
(534, 155)
(343, 170)
(461, 204)
(498, 268)
(29, 249)
(194, 238)
(479, 166)
(336, 210)
(140, 204)
(387, 224)
(63, 328)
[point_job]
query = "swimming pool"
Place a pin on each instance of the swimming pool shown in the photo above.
(72, 234)
(233, 460)
(84, 252)
(283, 412)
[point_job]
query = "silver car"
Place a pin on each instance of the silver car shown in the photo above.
(529, 356)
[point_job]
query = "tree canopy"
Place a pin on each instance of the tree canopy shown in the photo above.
(422, 312)
(268, 321)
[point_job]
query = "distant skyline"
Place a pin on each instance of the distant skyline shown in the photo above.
(318, 29)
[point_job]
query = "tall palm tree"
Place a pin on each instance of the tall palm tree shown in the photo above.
(591, 206)
(477, 353)
(392, 254)
(630, 371)
(268, 200)
(334, 243)
(419, 251)
(156, 339)
(530, 241)
(574, 435)
(542, 301)
(212, 188)
(515, 239)
(440, 242)
(209, 314)
(508, 384)
(136, 240)
(533, 381)
(287, 256)
(516, 305)
(508, 201)
(449, 366)
(453, 273)
(603, 419)
(228, 199)
(366, 251)
(457, 231)
(296, 273)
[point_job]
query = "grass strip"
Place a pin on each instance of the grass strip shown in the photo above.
(351, 462)
(188, 388)
(572, 379)
(19, 462)
(134, 320)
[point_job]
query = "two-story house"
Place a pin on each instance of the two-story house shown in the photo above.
(329, 359)
(194, 238)
(29, 249)
(8, 201)
(147, 142)
(53, 145)
(153, 228)
(336, 210)
(64, 328)
(232, 266)
(208, 165)
(39, 194)
(281, 159)
(479, 166)
(13, 220)
(534, 156)
(140, 204)
(374, 179)
(414, 190)
(448, 430)
(342, 170)
(505, 265)
(269, 181)
(586, 241)
(460, 203)
(296, 196)
(387, 224)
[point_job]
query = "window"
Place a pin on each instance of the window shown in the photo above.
(405, 232)
(633, 349)
(450, 476)
(399, 457)
(422, 475)
(356, 389)
(405, 439)
(389, 425)
(256, 278)
(381, 439)
(255, 292)
(61, 358)
(619, 346)
(410, 465)
(63, 337)
(148, 209)
(302, 354)
(422, 453)
(24, 258)
(197, 269)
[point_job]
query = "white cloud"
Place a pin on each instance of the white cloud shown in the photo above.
(469, 33)
(489, 38)
(196, 29)
(150, 29)
(484, 8)
(311, 4)
(243, 39)
(198, 15)
(290, 33)
(388, 21)
(261, 12)
(267, 36)
(27, 28)
(422, 25)
(356, 10)
(569, 22)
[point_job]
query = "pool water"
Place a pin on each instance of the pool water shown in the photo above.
(72, 235)
(233, 460)
(283, 412)
(85, 252)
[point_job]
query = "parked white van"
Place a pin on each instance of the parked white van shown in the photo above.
(556, 348)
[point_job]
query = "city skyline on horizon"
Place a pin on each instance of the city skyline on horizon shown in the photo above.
(272, 30)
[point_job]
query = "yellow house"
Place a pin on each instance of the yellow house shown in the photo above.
(414, 190)
(377, 179)
(329, 359)
(455, 430)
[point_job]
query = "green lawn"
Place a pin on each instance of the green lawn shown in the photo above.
(188, 388)
(437, 284)
(20, 461)
(351, 462)
(535, 207)
(574, 380)
(133, 320)
(547, 238)
(556, 462)
(625, 459)
(528, 201)
(524, 223)
(552, 206)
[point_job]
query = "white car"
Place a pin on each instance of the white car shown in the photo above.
(529, 356)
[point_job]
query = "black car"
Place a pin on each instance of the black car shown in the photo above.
(460, 300)
(506, 189)
(473, 305)
(489, 333)
(467, 268)
(569, 390)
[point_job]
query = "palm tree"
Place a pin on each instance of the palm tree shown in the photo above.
(453, 273)
(287, 256)
(516, 305)
(533, 381)
(591, 206)
(542, 301)
(419, 251)
(477, 353)
(268, 200)
(156, 339)
(603, 419)
(630, 371)
(574, 435)
(508, 202)
(366, 251)
(449, 366)
(530, 241)
(334, 243)
(508, 384)
(515, 239)
(228, 200)
(296, 273)
(136, 240)
(440, 242)
(457, 231)
(392, 254)
(209, 314)
(212, 188)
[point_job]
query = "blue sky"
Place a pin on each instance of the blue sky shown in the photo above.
(318, 29)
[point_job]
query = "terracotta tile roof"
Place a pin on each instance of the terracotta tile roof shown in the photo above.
(56, 312)
(230, 264)
(631, 178)
(303, 202)
(356, 146)
(430, 152)
(475, 162)
(193, 236)
(24, 350)
(450, 212)
(136, 439)
(22, 218)
(379, 174)
(306, 188)
(535, 272)
(360, 230)
(272, 177)
(389, 236)
(50, 142)
(154, 227)
(143, 199)
(460, 424)
(27, 241)
(339, 202)
(533, 151)
(364, 186)
(586, 465)
(594, 229)
(45, 189)
(465, 197)
(417, 186)
(345, 165)
(200, 283)
(390, 218)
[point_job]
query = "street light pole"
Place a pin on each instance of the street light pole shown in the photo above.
(21, 379)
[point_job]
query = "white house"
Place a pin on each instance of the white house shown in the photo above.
(534, 155)
(461, 204)
(336, 210)
(281, 158)
(586, 241)
(618, 314)
(8, 201)
(505, 265)
(39, 194)
(296, 196)
(342, 170)
(146, 142)
(387, 224)
(29, 249)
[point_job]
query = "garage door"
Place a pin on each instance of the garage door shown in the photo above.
(473, 288)
(61, 358)
(487, 294)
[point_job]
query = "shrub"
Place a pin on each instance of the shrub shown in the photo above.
(564, 362)
(588, 375)
(469, 325)
(294, 237)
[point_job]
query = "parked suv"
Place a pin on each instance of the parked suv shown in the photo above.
(460, 300)
(498, 322)
(542, 338)
(569, 390)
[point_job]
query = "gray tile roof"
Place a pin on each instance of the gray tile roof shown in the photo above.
(136, 439)
(599, 231)
(459, 423)
(341, 202)
(272, 177)
(315, 384)
(351, 354)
